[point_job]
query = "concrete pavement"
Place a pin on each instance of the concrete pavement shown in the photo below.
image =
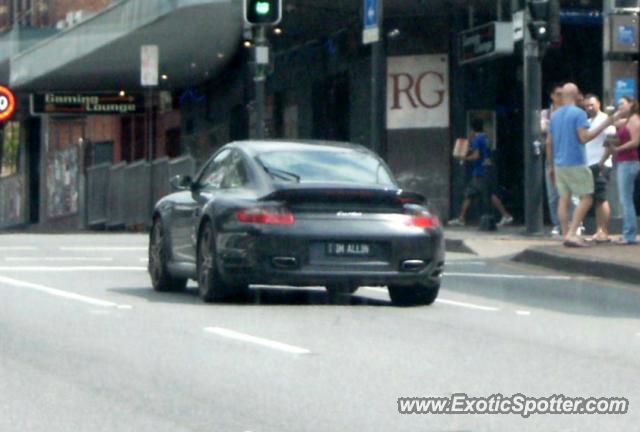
(608, 261)
(87, 345)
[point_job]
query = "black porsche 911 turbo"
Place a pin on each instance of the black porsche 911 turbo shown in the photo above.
(301, 213)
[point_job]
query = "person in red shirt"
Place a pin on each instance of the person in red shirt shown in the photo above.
(628, 165)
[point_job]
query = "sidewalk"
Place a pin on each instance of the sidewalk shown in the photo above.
(609, 261)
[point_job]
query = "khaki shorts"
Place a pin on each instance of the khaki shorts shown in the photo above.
(574, 181)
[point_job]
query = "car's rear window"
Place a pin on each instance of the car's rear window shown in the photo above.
(325, 166)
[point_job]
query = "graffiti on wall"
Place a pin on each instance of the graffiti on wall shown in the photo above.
(62, 182)
(11, 201)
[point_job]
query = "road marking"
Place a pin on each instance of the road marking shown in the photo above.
(523, 312)
(256, 340)
(70, 268)
(105, 259)
(506, 276)
(103, 248)
(383, 290)
(125, 307)
(144, 259)
(18, 248)
(56, 292)
(462, 262)
(448, 302)
(467, 305)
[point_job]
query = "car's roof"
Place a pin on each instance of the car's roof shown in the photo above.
(257, 147)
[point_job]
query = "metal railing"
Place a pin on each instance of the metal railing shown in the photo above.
(123, 195)
(98, 180)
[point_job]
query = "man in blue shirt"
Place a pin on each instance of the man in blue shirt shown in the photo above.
(479, 155)
(569, 131)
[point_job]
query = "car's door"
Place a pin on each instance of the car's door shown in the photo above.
(187, 213)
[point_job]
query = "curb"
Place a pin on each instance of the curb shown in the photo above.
(584, 266)
(457, 246)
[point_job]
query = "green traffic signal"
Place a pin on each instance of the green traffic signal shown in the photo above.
(263, 8)
(262, 12)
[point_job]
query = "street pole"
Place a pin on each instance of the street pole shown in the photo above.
(378, 92)
(150, 143)
(533, 145)
(260, 78)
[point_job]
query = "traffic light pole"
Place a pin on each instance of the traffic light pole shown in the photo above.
(378, 88)
(260, 79)
(533, 145)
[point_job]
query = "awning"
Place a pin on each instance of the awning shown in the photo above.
(196, 39)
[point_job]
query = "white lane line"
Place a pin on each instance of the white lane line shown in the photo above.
(448, 302)
(256, 340)
(144, 259)
(506, 276)
(383, 290)
(56, 292)
(70, 268)
(461, 262)
(523, 312)
(96, 259)
(467, 305)
(18, 248)
(103, 248)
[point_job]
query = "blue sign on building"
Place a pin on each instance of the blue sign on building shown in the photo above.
(371, 32)
(626, 35)
(625, 87)
(370, 13)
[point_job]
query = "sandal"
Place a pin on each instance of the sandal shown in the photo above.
(574, 244)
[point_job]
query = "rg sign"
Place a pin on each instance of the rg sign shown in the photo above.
(413, 89)
(417, 92)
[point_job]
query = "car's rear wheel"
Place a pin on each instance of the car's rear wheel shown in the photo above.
(340, 293)
(211, 286)
(415, 295)
(161, 279)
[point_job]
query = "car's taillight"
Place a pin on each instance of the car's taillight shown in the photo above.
(424, 220)
(268, 216)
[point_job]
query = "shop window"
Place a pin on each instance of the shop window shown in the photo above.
(172, 142)
(126, 139)
(133, 138)
(10, 149)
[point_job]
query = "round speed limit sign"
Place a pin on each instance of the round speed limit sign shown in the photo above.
(7, 103)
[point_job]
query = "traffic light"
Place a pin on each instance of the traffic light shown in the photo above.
(262, 12)
(544, 25)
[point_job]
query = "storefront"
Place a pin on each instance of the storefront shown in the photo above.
(84, 105)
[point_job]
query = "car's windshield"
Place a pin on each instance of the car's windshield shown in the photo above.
(325, 166)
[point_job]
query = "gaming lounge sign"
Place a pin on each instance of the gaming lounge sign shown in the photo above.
(418, 92)
(86, 103)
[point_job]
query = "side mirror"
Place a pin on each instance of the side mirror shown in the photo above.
(181, 182)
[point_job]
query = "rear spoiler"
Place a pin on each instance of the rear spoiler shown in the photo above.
(337, 193)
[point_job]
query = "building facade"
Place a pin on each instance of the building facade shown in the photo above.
(319, 87)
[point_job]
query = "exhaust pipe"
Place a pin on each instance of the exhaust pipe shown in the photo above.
(412, 265)
(285, 262)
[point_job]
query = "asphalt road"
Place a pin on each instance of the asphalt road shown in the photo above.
(86, 345)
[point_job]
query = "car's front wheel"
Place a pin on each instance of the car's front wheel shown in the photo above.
(415, 295)
(211, 286)
(161, 279)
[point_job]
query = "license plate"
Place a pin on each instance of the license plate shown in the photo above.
(348, 249)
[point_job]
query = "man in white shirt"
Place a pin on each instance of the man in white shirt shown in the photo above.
(595, 150)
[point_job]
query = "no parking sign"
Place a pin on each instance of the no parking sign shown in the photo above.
(7, 103)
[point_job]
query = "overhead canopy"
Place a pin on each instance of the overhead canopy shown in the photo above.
(195, 38)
